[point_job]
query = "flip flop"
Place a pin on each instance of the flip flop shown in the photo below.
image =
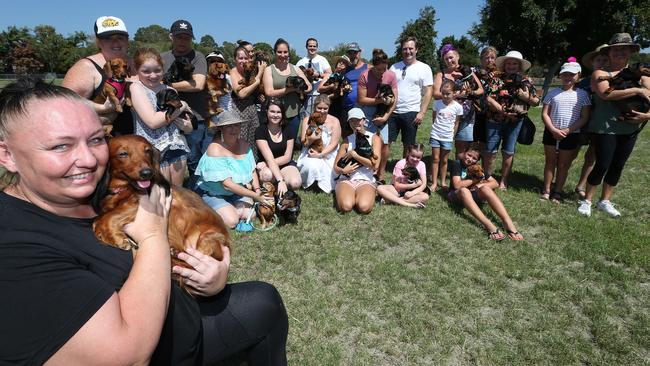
(515, 235)
(496, 235)
(580, 192)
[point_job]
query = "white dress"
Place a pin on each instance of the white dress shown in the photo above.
(315, 169)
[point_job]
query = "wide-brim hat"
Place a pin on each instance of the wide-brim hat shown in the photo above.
(106, 26)
(622, 39)
(226, 118)
(588, 58)
(343, 58)
(515, 55)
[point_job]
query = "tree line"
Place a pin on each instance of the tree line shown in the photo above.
(545, 31)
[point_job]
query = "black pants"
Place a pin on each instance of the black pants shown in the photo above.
(612, 152)
(245, 321)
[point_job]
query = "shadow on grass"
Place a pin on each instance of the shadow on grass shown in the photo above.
(519, 181)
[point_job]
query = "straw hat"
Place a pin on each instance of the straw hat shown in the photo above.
(588, 58)
(515, 55)
(226, 118)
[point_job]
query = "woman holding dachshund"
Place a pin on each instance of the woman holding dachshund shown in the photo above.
(452, 72)
(87, 76)
(275, 78)
(614, 135)
(356, 184)
(75, 300)
(245, 97)
(503, 124)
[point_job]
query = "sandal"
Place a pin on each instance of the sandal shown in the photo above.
(420, 205)
(581, 193)
(496, 235)
(515, 235)
(544, 196)
(557, 197)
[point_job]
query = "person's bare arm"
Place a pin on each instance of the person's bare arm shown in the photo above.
(126, 329)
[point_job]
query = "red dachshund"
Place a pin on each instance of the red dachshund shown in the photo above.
(133, 169)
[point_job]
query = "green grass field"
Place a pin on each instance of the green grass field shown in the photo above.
(426, 287)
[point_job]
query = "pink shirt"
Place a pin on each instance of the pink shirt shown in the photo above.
(370, 82)
(397, 171)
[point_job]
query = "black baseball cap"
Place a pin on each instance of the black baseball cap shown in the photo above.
(182, 27)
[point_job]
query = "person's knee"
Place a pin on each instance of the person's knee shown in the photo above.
(266, 175)
(230, 220)
(345, 205)
(294, 182)
(365, 207)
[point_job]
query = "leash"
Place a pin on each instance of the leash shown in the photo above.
(248, 225)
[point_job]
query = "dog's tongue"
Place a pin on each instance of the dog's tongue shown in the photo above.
(144, 184)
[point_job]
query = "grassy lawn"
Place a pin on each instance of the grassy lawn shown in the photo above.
(426, 287)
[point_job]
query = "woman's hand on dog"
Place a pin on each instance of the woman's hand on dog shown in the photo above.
(282, 188)
(637, 117)
(208, 276)
(267, 201)
(151, 218)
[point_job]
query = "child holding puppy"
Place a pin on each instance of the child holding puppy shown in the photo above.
(403, 191)
(471, 191)
(566, 110)
(447, 114)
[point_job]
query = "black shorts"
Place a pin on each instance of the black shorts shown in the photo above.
(480, 135)
(402, 122)
(452, 197)
(570, 142)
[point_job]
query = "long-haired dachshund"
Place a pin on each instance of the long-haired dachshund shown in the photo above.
(133, 169)
(216, 83)
(314, 127)
(115, 87)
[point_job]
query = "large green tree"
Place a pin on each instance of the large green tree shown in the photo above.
(423, 28)
(548, 31)
(8, 40)
(49, 46)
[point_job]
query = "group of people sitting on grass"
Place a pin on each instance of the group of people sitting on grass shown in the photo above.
(338, 114)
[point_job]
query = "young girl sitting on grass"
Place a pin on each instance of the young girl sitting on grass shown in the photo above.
(566, 110)
(403, 191)
(447, 114)
(471, 191)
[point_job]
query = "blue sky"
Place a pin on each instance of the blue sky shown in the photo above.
(372, 24)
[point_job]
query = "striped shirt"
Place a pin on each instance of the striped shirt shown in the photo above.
(565, 106)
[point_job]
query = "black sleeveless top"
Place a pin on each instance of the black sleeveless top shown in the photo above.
(99, 88)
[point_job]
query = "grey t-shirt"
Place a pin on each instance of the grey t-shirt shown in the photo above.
(198, 101)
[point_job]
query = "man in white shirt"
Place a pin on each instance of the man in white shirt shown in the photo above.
(414, 92)
(322, 71)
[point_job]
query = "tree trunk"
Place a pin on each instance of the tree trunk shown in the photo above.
(552, 70)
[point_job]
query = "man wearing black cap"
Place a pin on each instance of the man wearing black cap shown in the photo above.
(192, 91)
(353, 51)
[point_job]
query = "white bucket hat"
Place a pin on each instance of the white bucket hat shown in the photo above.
(516, 55)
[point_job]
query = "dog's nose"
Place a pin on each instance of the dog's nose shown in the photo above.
(146, 173)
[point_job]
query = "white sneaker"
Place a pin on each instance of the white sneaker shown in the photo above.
(585, 207)
(608, 207)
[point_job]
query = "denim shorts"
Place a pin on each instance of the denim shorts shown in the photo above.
(504, 134)
(445, 145)
(465, 132)
(217, 202)
(172, 156)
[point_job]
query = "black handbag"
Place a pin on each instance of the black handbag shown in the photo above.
(527, 132)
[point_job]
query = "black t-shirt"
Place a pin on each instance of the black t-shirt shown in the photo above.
(458, 170)
(277, 148)
(55, 275)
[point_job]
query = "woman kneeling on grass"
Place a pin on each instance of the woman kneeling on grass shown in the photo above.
(356, 183)
(471, 192)
(405, 191)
